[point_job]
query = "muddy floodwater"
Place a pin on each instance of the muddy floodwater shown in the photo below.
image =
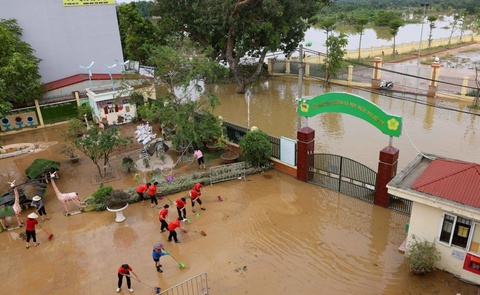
(271, 234)
(437, 126)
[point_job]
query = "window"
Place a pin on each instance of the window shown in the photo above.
(455, 230)
(475, 243)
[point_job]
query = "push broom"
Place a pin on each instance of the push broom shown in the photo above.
(181, 265)
(50, 236)
(156, 289)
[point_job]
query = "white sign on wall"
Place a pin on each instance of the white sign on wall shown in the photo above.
(288, 151)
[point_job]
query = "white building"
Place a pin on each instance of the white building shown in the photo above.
(446, 209)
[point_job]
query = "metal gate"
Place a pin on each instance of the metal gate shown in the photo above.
(342, 174)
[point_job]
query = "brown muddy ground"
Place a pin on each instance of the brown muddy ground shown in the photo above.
(271, 235)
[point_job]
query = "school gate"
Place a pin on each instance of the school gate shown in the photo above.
(343, 174)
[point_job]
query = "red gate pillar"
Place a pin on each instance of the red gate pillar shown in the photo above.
(305, 146)
(387, 169)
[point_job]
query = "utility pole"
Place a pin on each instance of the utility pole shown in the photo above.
(300, 83)
(424, 5)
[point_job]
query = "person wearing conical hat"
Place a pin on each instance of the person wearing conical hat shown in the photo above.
(38, 204)
(30, 229)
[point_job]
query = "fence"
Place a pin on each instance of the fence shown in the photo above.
(198, 285)
(227, 172)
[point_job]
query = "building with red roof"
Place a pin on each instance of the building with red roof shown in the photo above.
(446, 209)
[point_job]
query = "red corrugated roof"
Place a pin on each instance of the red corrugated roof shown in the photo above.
(452, 180)
(77, 79)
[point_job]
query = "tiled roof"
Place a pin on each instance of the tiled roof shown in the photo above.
(452, 180)
(77, 79)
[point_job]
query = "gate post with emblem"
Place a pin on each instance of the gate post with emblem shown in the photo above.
(305, 146)
(387, 169)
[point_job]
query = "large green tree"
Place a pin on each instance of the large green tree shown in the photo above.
(236, 29)
(20, 80)
(360, 21)
(184, 103)
(137, 34)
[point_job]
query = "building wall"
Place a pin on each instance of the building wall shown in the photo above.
(425, 222)
(67, 37)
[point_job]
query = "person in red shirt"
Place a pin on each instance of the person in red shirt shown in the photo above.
(124, 271)
(195, 196)
(140, 190)
(152, 191)
(171, 227)
(181, 208)
(31, 222)
(198, 186)
(162, 216)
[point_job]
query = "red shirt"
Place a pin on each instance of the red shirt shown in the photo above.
(141, 189)
(173, 225)
(31, 224)
(180, 203)
(194, 194)
(123, 270)
(152, 190)
(163, 214)
(197, 186)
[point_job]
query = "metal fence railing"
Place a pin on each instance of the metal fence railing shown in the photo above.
(198, 285)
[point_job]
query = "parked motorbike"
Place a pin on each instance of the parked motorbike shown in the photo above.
(386, 84)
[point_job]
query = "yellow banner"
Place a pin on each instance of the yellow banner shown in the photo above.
(68, 3)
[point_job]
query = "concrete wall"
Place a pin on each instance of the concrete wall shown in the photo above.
(67, 37)
(425, 222)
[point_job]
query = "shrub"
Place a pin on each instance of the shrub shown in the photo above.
(256, 148)
(422, 256)
(98, 197)
(75, 128)
(117, 199)
(128, 164)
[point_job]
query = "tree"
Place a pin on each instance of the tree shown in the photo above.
(238, 29)
(20, 80)
(327, 25)
(100, 145)
(359, 24)
(431, 23)
(187, 105)
(137, 34)
(334, 63)
(454, 24)
(393, 26)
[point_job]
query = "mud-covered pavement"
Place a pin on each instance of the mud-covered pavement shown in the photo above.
(271, 234)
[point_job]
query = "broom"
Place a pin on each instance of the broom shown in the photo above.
(50, 236)
(181, 265)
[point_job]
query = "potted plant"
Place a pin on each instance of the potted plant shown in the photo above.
(228, 155)
(256, 148)
(75, 128)
(117, 201)
(68, 149)
(128, 165)
(422, 256)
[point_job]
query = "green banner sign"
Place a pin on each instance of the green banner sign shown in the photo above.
(346, 103)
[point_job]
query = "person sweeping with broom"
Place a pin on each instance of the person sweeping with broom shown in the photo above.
(156, 254)
(124, 271)
(31, 222)
(172, 226)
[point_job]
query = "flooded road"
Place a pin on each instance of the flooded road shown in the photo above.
(429, 129)
(271, 235)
